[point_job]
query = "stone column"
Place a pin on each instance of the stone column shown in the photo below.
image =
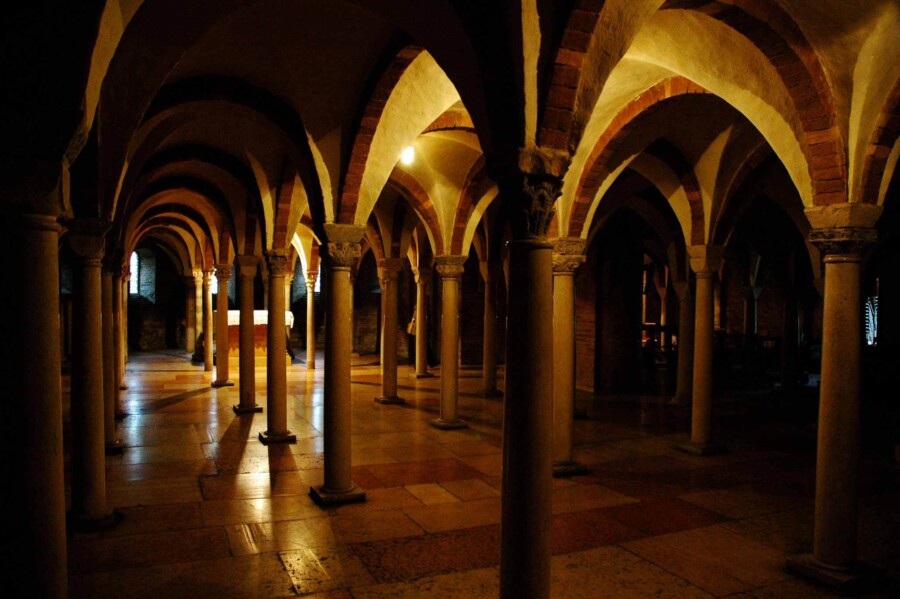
(89, 509)
(705, 262)
(450, 269)
(121, 320)
(423, 279)
(223, 274)
(276, 354)
(126, 295)
(247, 267)
(198, 313)
(489, 346)
(685, 376)
(311, 277)
(114, 445)
(33, 496)
(190, 315)
(568, 256)
(390, 272)
(842, 234)
(528, 408)
(342, 252)
(207, 321)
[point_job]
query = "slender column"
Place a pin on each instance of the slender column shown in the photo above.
(705, 262)
(342, 252)
(685, 376)
(126, 294)
(89, 509)
(121, 324)
(247, 267)
(661, 282)
(311, 277)
(198, 314)
(33, 497)
(423, 279)
(568, 256)
(207, 321)
(489, 346)
(834, 557)
(450, 269)
(276, 354)
(190, 315)
(390, 271)
(223, 273)
(528, 408)
(114, 445)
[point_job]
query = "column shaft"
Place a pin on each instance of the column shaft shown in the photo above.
(311, 277)
(110, 389)
(276, 355)
(390, 268)
(423, 277)
(701, 414)
(527, 425)
(207, 322)
(489, 346)
(246, 351)
(223, 273)
(190, 315)
(450, 268)
(684, 382)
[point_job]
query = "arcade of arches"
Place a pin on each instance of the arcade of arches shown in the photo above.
(619, 275)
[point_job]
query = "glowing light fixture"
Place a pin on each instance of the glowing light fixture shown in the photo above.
(408, 155)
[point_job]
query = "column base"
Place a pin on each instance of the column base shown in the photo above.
(239, 409)
(114, 447)
(701, 449)
(567, 469)
(392, 400)
(493, 393)
(424, 375)
(858, 577)
(267, 438)
(326, 497)
(447, 425)
(82, 524)
(226, 383)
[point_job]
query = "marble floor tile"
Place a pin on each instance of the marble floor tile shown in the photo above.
(162, 453)
(431, 493)
(663, 515)
(157, 518)
(159, 470)
(469, 489)
(743, 502)
(152, 492)
(287, 535)
(482, 583)
(321, 569)
(575, 497)
(451, 516)
(262, 509)
(576, 531)
(350, 527)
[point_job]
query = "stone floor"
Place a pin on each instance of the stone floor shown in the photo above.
(210, 512)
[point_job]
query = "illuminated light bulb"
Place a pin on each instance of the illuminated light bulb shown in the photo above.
(407, 155)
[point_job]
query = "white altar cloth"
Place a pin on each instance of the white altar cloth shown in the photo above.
(259, 317)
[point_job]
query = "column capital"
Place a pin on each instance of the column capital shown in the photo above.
(248, 266)
(87, 237)
(422, 275)
(198, 277)
(843, 241)
(390, 268)
(311, 277)
(450, 267)
(682, 290)
(276, 261)
(705, 259)
(343, 254)
(207, 277)
(568, 254)
(223, 272)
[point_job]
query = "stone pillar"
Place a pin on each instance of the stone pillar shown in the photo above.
(685, 376)
(390, 272)
(126, 295)
(190, 315)
(489, 347)
(207, 321)
(114, 445)
(342, 252)
(121, 320)
(33, 497)
(276, 354)
(423, 279)
(842, 234)
(311, 277)
(568, 256)
(198, 313)
(247, 267)
(450, 269)
(528, 408)
(223, 274)
(705, 262)
(89, 509)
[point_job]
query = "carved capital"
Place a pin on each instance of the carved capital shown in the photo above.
(311, 277)
(450, 267)
(87, 237)
(276, 261)
(531, 197)
(568, 254)
(207, 278)
(843, 241)
(343, 254)
(223, 273)
(198, 278)
(247, 266)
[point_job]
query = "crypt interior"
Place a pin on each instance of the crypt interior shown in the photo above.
(536, 298)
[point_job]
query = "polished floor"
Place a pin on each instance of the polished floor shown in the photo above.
(210, 512)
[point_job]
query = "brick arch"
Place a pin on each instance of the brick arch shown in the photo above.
(410, 188)
(368, 124)
(281, 236)
(881, 143)
(598, 168)
(477, 183)
(772, 30)
(688, 178)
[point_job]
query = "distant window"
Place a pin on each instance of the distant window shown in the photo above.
(872, 320)
(318, 284)
(214, 285)
(135, 268)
